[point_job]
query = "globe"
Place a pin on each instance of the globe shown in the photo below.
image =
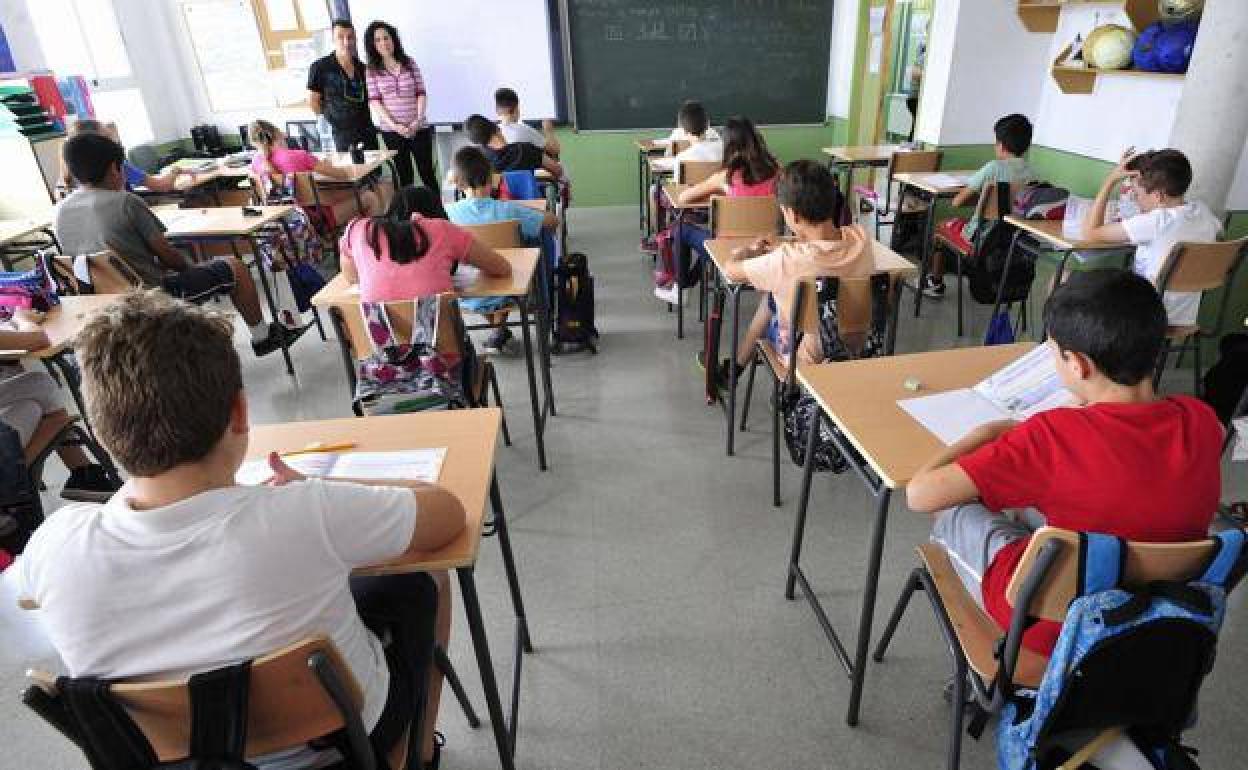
(1109, 47)
(1172, 11)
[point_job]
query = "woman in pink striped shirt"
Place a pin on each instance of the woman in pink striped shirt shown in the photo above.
(396, 93)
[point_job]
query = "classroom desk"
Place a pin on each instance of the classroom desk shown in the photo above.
(470, 437)
(928, 186)
(885, 448)
(13, 235)
(847, 158)
(230, 225)
(720, 249)
(525, 268)
(672, 191)
(646, 149)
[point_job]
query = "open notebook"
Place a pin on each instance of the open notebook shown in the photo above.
(407, 465)
(1029, 385)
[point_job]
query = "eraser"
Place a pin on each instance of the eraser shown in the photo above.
(912, 384)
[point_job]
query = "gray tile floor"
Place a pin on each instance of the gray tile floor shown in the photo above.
(653, 570)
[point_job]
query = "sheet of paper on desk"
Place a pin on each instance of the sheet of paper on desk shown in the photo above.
(663, 164)
(408, 465)
(952, 414)
(948, 180)
(1240, 453)
(465, 276)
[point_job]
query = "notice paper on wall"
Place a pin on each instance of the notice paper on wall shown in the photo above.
(228, 54)
(406, 465)
(1026, 387)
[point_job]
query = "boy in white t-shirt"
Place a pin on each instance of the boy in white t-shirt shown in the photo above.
(1161, 179)
(507, 107)
(693, 126)
(184, 571)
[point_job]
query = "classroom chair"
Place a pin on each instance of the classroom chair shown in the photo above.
(1201, 267)
(354, 345)
(297, 694)
(916, 161)
(854, 320)
(106, 273)
(504, 234)
(738, 217)
(305, 134)
(52, 433)
(690, 172)
(993, 662)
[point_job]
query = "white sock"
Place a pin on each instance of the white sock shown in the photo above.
(259, 332)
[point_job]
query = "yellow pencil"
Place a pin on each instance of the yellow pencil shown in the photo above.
(320, 447)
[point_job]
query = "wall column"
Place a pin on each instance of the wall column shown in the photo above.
(1211, 123)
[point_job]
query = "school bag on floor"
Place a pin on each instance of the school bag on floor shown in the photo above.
(1227, 380)
(574, 328)
(20, 510)
(1133, 659)
(985, 270)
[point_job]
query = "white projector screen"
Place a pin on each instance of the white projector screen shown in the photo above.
(467, 48)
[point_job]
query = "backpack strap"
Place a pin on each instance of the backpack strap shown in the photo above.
(1102, 559)
(1229, 561)
(219, 713)
(107, 735)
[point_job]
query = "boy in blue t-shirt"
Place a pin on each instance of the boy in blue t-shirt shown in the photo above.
(473, 174)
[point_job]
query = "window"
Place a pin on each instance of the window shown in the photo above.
(82, 37)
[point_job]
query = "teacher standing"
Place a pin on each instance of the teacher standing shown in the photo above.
(338, 90)
(397, 92)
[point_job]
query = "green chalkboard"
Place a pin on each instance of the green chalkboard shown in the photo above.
(634, 62)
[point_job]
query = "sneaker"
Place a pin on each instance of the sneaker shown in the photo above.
(277, 334)
(933, 287)
(497, 341)
(89, 484)
(669, 294)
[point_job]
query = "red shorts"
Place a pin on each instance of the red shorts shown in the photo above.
(951, 231)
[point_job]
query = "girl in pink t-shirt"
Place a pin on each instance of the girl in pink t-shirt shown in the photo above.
(275, 162)
(411, 251)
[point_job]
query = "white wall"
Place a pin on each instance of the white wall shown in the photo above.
(942, 40)
(20, 32)
(1238, 199)
(841, 64)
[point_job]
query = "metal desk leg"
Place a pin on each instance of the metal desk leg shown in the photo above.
(504, 738)
(894, 316)
(534, 401)
(543, 347)
(678, 245)
(641, 191)
(735, 291)
(509, 565)
(925, 248)
(883, 496)
(68, 370)
(268, 294)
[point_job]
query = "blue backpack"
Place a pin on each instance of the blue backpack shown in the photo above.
(1104, 670)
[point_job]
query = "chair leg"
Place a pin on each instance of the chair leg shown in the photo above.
(1196, 368)
(749, 390)
(1161, 363)
(776, 407)
(913, 583)
(320, 328)
(957, 710)
(960, 322)
(443, 662)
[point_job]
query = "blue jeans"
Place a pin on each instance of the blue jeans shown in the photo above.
(694, 238)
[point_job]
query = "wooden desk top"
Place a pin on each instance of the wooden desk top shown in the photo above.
(64, 322)
(662, 166)
(927, 181)
(886, 260)
(866, 153)
(537, 204)
(16, 229)
(861, 398)
(523, 266)
(1050, 231)
(651, 145)
(373, 160)
(673, 190)
(220, 222)
(469, 435)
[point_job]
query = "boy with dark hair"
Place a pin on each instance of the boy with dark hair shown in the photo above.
(507, 107)
(206, 572)
(101, 215)
(810, 203)
(1124, 462)
(473, 177)
(520, 156)
(693, 125)
(338, 90)
(1013, 139)
(1161, 179)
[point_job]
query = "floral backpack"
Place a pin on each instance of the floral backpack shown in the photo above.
(399, 377)
(309, 250)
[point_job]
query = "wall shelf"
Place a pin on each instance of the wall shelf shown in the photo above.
(1082, 80)
(1042, 15)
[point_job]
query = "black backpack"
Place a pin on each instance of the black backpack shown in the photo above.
(1226, 382)
(574, 328)
(20, 509)
(987, 267)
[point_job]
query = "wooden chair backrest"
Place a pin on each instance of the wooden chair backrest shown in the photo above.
(504, 234)
(1202, 266)
(446, 340)
(286, 705)
(853, 310)
(679, 146)
(744, 216)
(1145, 562)
(108, 274)
(988, 207)
(695, 171)
(305, 189)
(914, 162)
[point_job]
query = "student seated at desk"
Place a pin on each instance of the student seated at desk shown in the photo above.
(1124, 462)
(183, 570)
(472, 175)
(504, 156)
(693, 127)
(1013, 134)
(685, 123)
(507, 107)
(274, 164)
(749, 170)
(101, 215)
(1161, 179)
(412, 251)
(810, 201)
(135, 176)
(27, 398)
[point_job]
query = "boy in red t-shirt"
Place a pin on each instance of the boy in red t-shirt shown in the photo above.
(1126, 463)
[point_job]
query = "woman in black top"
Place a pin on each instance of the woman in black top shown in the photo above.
(338, 90)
